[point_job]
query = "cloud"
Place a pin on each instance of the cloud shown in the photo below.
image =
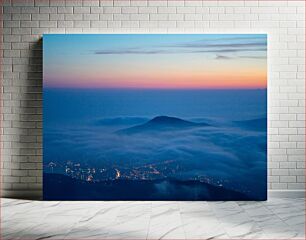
(218, 45)
(230, 50)
(222, 45)
(218, 152)
(221, 57)
(254, 57)
(130, 51)
(177, 51)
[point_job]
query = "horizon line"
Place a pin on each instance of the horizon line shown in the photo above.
(144, 88)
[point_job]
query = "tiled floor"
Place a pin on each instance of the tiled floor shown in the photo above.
(274, 219)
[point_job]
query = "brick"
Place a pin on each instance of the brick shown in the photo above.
(222, 24)
(106, 17)
(242, 10)
(28, 179)
(130, 24)
(91, 16)
(228, 17)
(29, 10)
(185, 24)
(273, 179)
(81, 10)
(62, 10)
(129, 10)
(11, 53)
(26, 3)
(96, 10)
(300, 165)
(296, 151)
(11, 24)
(60, 3)
(176, 17)
(106, 2)
(296, 186)
(176, 3)
(138, 3)
(45, 24)
(26, 16)
(167, 24)
(40, 17)
(111, 9)
(91, 3)
(74, 3)
(121, 3)
(185, 9)
(73, 16)
(120, 17)
(300, 179)
(287, 165)
(230, 3)
(192, 17)
(29, 24)
(159, 3)
(296, 172)
(64, 24)
(210, 17)
(113, 24)
(21, 31)
(57, 17)
(149, 24)
(40, 3)
(288, 179)
(19, 173)
(202, 10)
(141, 17)
(11, 179)
(98, 24)
(161, 17)
(280, 172)
(82, 24)
(290, 10)
(147, 9)
(217, 10)
(20, 46)
(277, 186)
(166, 9)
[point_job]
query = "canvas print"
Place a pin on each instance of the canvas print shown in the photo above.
(155, 117)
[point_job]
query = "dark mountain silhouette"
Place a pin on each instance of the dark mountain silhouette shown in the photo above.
(167, 189)
(259, 124)
(162, 123)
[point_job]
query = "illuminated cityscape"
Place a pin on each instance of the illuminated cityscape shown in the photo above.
(149, 172)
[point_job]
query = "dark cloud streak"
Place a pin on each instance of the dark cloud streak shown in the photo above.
(221, 57)
(229, 45)
(151, 52)
(220, 47)
(253, 57)
(128, 51)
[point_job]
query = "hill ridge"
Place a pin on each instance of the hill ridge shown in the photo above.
(162, 123)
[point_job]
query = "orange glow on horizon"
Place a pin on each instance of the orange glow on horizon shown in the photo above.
(194, 80)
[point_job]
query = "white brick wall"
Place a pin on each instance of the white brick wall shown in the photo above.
(24, 21)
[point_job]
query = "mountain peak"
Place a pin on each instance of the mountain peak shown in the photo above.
(166, 120)
(162, 123)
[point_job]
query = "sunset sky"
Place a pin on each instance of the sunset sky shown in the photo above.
(192, 61)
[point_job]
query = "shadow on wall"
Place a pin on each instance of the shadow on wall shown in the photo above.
(30, 127)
